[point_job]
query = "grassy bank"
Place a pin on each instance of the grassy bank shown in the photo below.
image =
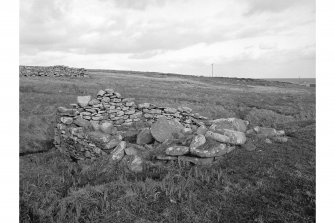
(274, 183)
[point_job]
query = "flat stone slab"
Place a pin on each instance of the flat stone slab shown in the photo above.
(164, 157)
(228, 136)
(177, 150)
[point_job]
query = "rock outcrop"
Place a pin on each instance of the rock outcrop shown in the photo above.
(114, 126)
(52, 71)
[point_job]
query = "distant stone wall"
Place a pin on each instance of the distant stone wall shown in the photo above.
(52, 71)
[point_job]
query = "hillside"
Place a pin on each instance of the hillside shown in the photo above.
(274, 183)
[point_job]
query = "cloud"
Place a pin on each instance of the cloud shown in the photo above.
(260, 6)
(173, 35)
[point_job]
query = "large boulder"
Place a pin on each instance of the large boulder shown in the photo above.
(144, 137)
(228, 136)
(165, 129)
(219, 125)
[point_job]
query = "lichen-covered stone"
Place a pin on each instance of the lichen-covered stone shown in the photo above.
(212, 151)
(177, 150)
(66, 120)
(197, 141)
(143, 105)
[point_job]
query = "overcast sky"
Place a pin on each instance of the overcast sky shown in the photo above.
(243, 38)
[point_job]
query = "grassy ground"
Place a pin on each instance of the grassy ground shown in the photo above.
(274, 183)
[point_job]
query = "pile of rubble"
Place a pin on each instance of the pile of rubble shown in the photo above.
(53, 71)
(110, 125)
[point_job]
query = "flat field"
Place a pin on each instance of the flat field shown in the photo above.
(274, 183)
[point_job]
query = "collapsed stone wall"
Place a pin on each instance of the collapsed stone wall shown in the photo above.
(112, 125)
(53, 71)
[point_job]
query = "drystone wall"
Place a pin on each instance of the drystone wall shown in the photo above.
(110, 125)
(53, 71)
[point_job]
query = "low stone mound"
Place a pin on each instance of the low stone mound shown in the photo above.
(118, 127)
(52, 71)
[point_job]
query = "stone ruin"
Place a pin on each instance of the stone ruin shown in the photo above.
(52, 71)
(117, 127)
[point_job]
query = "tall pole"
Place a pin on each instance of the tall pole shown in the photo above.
(212, 70)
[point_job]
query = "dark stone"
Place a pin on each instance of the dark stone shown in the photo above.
(130, 136)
